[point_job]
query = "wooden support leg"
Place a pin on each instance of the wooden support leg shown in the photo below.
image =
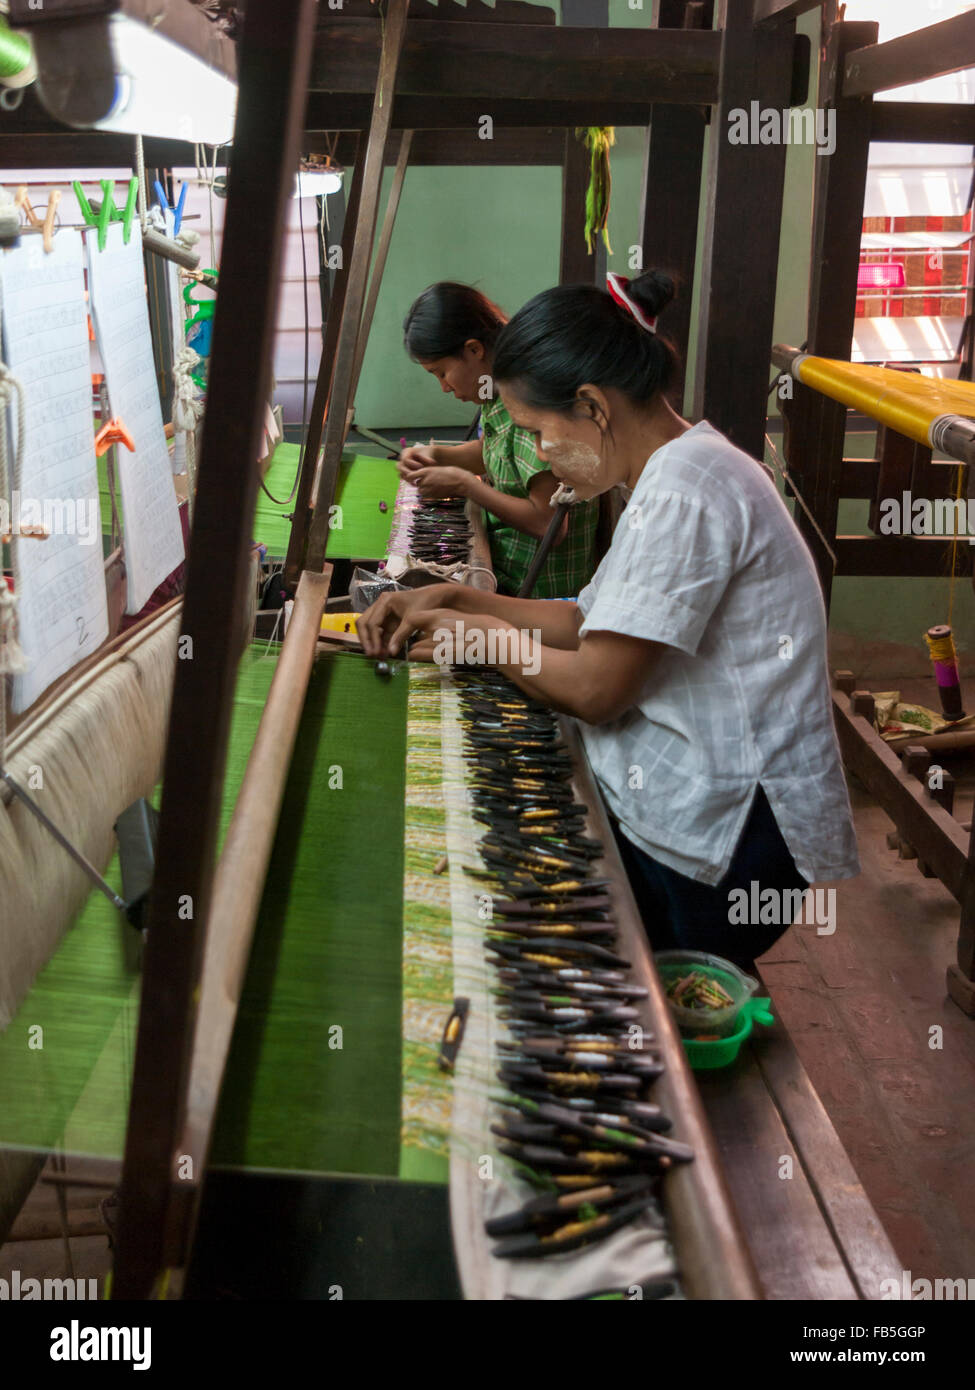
(961, 977)
(274, 63)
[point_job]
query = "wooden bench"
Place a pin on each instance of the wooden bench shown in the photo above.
(813, 1234)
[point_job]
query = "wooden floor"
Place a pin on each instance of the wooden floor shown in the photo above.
(863, 1008)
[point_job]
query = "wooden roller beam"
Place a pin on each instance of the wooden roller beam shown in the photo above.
(239, 879)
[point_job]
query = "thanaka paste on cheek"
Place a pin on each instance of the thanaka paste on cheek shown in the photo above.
(575, 461)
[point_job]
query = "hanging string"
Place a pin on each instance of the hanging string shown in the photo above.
(188, 408)
(786, 477)
(140, 169)
(12, 660)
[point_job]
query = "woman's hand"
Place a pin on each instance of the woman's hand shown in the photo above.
(441, 482)
(415, 458)
(385, 626)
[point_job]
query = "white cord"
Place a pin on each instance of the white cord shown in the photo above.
(783, 473)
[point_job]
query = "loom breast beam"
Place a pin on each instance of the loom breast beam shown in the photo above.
(340, 397)
(275, 54)
(714, 1258)
(239, 880)
(940, 414)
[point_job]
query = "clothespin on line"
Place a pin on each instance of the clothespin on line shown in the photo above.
(27, 533)
(108, 212)
(163, 202)
(46, 228)
(113, 432)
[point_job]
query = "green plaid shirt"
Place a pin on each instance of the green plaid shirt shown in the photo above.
(510, 464)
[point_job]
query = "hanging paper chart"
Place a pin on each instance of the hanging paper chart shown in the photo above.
(60, 579)
(153, 536)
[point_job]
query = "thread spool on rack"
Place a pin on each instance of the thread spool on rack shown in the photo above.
(941, 647)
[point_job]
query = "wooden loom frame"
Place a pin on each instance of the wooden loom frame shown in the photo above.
(857, 66)
(611, 80)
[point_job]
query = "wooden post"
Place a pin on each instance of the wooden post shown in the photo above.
(577, 266)
(838, 220)
(382, 251)
(275, 55)
(340, 396)
(741, 241)
(301, 516)
(670, 198)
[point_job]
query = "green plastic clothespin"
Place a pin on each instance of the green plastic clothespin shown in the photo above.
(108, 212)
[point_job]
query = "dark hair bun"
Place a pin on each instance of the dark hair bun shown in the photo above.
(574, 334)
(653, 291)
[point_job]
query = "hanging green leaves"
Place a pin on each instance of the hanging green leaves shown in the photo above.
(598, 139)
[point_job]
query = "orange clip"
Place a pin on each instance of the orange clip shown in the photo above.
(113, 433)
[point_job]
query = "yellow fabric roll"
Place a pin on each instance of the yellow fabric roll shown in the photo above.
(908, 403)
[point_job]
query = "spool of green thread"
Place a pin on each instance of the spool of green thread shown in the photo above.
(17, 66)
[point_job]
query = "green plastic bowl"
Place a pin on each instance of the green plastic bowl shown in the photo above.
(672, 964)
(708, 1056)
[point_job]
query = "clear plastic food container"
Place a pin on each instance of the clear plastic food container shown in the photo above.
(709, 1022)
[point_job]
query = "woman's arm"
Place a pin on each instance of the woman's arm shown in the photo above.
(384, 627)
(467, 456)
(599, 680)
(530, 514)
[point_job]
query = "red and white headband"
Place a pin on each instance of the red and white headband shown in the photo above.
(618, 286)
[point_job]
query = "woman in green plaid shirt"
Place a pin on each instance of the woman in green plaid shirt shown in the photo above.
(450, 331)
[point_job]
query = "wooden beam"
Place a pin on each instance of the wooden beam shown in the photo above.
(340, 397)
(669, 205)
(741, 240)
(577, 264)
(532, 146)
(301, 516)
(818, 425)
(900, 556)
(938, 838)
(274, 59)
(766, 10)
(602, 106)
(920, 122)
(494, 62)
(379, 263)
(932, 52)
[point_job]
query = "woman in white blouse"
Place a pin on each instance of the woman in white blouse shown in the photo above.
(695, 660)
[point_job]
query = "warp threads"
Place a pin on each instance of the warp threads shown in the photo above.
(942, 650)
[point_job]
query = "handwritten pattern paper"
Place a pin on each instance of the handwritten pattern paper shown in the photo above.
(60, 581)
(153, 538)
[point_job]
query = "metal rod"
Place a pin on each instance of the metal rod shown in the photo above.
(64, 842)
(376, 438)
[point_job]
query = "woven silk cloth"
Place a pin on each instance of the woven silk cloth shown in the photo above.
(360, 531)
(427, 967)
